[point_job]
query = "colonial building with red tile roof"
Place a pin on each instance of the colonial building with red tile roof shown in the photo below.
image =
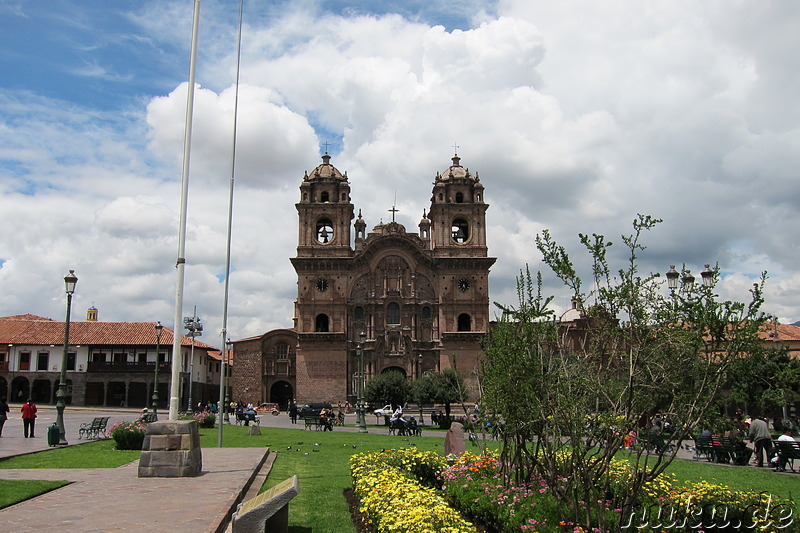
(107, 363)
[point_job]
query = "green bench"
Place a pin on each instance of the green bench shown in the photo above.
(96, 429)
(788, 450)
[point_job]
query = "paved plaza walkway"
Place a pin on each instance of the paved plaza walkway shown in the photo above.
(116, 499)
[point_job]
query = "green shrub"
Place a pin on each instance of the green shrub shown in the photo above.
(205, 419)
(128, 435)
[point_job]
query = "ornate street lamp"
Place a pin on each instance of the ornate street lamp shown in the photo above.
(70, 280)
(159, 327)
(708, 276)
(672, 278)
(362, 422)
(687, 279)
(195, 328)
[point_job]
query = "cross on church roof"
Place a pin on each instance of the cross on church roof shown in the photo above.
(393, 210)
(455, 148)
(326, 146)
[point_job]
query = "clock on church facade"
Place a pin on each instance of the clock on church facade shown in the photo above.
(420, 298)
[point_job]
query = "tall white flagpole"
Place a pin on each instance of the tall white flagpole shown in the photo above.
(223, 378)
(174, 395)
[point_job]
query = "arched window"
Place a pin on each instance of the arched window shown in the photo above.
(459, 197)
(324, 197)
(426, 313)
(464, 322)
(358, 313)
(281, 350)
(322, 324)
(324, 231)
(460, 230)
(393, 313)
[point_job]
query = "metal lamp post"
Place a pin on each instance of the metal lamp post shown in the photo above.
(195, 328)
(70, 280)
(362, 422)
(159, 327)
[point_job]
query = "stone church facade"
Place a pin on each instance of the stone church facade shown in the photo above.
(421, 299)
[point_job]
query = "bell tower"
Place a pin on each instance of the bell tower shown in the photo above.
(458, 213)
(325, 213)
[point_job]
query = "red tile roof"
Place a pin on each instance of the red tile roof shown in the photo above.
(32, 329)
(786, 332)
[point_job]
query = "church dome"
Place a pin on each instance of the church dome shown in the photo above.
(326, 171)
(455, 172)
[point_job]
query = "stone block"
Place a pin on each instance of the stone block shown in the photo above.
(171, 449)
(454, 440)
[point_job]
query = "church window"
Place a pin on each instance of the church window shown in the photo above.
(464, 322)
(281, 350)
(459, 197)
(358, 313)
(324, 231)
(324, 197)
(344, 197)
(322, 324)
(460, 230)
(426, 313)
(393, 313)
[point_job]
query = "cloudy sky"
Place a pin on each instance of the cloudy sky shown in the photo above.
(577, 115)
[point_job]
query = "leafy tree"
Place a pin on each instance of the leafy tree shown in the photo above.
(446, 387)
(390, 387)
(763, 381)
(568, 394)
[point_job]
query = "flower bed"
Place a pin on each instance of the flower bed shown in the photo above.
(393, 495)
(475, 486)
(205, 419)
(128, 435)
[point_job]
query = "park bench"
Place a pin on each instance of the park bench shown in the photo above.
(269, 511)
(245, 419)
(319, 423)
(789, 450)
(703, 448)
(147, 418)
(724, 450)
(95, 429)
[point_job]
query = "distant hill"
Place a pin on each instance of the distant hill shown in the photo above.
(796, 323)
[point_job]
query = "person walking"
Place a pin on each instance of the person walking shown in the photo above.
(4, 410)
(29, 418)
(762, 440)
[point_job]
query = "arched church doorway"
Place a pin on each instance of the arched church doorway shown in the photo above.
(281, 393)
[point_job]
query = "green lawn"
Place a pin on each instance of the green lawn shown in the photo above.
(96, 454)
(15, 491)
